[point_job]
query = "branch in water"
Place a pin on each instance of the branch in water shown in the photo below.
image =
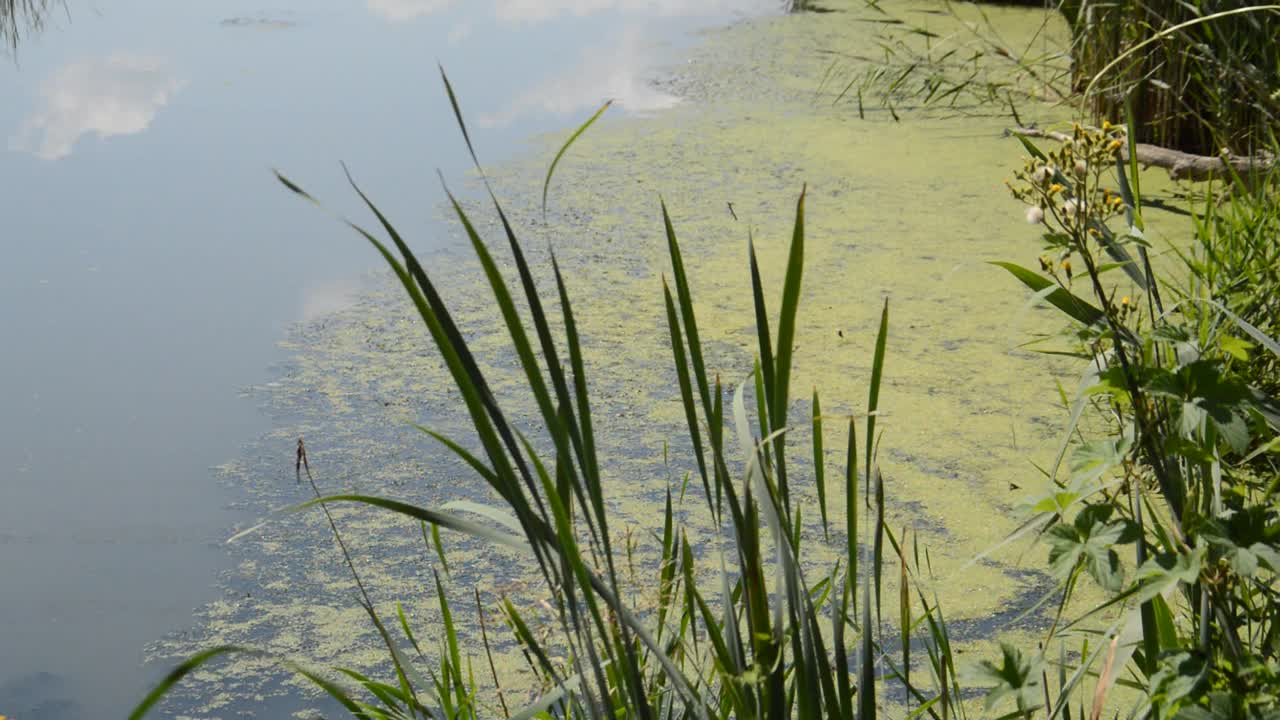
(1180, 165)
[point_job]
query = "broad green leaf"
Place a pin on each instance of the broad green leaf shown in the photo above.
(1164, 570)
(1089, 540)
(1075, 307)
(1092, 460)
(1016, 677)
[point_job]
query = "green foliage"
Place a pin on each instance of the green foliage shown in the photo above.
(1174, 477)
(1202, 74)
(1016, 676)
(1089, 541)
(751, 637)
(1174, 467)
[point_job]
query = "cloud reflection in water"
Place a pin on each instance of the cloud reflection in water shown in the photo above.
(618, 70)
(116, 95)
(530, 10)
(402, 10)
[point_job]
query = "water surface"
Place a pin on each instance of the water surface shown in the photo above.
(151, 265)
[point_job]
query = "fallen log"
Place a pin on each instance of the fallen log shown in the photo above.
(1179, 165)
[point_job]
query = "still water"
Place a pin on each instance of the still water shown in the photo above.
(151, 264)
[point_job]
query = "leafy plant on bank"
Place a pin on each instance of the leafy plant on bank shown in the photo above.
(1234, 265)
(761, 632)
(1192, 620)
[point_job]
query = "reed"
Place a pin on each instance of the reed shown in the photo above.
(1167, 458)
(762, 630)
(1205, 79)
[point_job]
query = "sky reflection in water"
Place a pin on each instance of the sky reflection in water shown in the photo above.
(152, 263)
(116, 95)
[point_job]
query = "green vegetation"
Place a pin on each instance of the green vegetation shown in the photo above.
(1179, 478)
(1235, 263)
(753, 627)
(1158, 518)
(1200, 75)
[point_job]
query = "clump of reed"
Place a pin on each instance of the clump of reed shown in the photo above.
(1235, 262)
(747, 624)
(1200, 75)
(1169, 477)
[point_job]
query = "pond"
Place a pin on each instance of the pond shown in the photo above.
(174, 320)
(152, 264)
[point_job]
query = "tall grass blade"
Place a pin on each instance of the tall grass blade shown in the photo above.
(686, 392)
(785, 347)
(1074, 306)
(175, 675)
(408, 631)
(866, 667)
(873, 392)
(546, 184)
(904, 613)
(198, 660)
(877, 558)
(819, 462)
(851, 508)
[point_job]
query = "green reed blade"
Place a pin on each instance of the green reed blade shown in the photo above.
(462, 453)
(450, 632)
(200, 659)
(526, 637)
(546, 184)
(819, 463)
(866, 661)
(511, 317)
(764, 340)
(667, 570)
(434, 517)
(435, 540)
(1075, 307)
(877, 550)
(786, 342)
(904, 613)
(390, 696)
(762, 410)
(457, 114)
(687, 316)
(408, 632)
(839, 619)
(183, 669)
(591, 464)
(851, 506)
(453, 349)
(686, 390)
(873, 393)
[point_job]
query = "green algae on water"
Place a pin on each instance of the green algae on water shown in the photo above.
(908, 210)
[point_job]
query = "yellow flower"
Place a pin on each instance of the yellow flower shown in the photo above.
(1055, 189)
(1125, 301)
(1066, 267)
(1106, 125)
(1115, 146)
